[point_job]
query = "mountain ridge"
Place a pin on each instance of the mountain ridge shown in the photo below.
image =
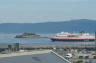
(50, 27)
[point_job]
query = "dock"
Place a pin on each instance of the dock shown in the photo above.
(56, 47)
(18, 47)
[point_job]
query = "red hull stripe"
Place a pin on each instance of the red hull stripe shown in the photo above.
(71, 39)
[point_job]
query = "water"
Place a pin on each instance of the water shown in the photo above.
(10, 38)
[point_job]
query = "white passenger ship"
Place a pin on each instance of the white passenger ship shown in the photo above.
(65, 36)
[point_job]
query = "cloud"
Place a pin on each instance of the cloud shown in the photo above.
(37, 19)
(51, 0)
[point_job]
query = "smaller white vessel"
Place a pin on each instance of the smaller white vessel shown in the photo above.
(65, 36)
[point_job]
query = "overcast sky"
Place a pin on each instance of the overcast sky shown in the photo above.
(34, 11)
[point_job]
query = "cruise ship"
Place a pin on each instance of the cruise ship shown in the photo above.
(66, 36)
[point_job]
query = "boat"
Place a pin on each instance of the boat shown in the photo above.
(66, 36)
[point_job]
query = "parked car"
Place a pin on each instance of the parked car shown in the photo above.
(69, 55)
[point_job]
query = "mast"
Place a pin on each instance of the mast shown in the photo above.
(95, 42)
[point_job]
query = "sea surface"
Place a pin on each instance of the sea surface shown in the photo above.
(6, 38)
(9, 38)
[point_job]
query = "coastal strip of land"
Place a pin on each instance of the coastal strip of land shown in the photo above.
(24, 53)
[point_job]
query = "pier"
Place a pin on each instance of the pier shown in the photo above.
(17, 47)
(56, 47)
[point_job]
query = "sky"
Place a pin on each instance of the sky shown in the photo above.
(36, 11)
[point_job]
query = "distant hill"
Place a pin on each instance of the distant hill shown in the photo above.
(50, 27)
